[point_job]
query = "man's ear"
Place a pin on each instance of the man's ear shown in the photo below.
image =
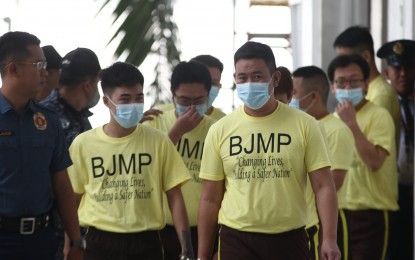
(12, 70)
(88, 85)
(332, 88)
(276, 78)
(367, 56)
(386, 72)
(105, 100)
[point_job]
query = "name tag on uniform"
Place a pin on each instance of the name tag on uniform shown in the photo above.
(6, 133)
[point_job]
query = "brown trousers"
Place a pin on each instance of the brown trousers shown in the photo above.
(103, 245)
(291, 245)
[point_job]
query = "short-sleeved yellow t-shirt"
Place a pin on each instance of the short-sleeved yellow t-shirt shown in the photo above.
(123, 180)
(381, 93)
(216, 114)
(362, 188)
(164, 107)
(340, 142)
(264, 163)
(190, 148)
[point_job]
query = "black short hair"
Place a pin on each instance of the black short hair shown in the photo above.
(285, 85)
(120, 74)
(357, 38)
(13, 47)
(343, 61)
(209, 61)
(256, 50)
(190, 72)
(314, 79)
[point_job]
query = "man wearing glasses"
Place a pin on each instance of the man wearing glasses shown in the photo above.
(358, 40)
(33, 157)
(187, 127)
(369, 191)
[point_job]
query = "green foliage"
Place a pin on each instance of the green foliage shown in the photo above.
(148, 28)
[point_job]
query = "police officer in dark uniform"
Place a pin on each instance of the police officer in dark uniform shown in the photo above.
(54, 61)
(77, 92)
(33, 158)
(400, 71)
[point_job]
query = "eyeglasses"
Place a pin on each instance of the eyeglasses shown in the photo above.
(354, 83)
(185, 101)
(39, 65)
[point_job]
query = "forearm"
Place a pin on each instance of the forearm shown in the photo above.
(210, 203)
(327, 208)
(368, 152)
(67, 206)
(338, 177)
(207, 228)
(174, 135)
(180, 220)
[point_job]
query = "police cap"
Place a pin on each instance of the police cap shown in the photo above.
(398, 53)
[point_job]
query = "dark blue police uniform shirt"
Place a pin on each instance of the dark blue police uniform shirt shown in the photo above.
(73, 122)
(32, 148)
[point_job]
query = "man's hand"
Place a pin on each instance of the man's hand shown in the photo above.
(347, 113)
(330, 251)
(148, 115)
(184, 123)
(188, 120)
(75, 253)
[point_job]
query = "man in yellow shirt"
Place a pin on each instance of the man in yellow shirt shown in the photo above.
(358, 40)
(215, 68)
(122, 171)
(255, 166)
(369, 191)
(311, 89)
(187, 126)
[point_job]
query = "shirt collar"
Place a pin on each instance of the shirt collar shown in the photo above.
(5, 105)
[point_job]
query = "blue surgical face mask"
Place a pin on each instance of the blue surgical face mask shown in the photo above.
(127, 115)
(253, 94)
(295, 103)
(201, 109)
(213, 93)
(354, 95)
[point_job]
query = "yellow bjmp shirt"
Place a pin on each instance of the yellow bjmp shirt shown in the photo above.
(264, 163)
(340, 142)
(190, 148)
(381, 93)
(362, 188)
(123, 180)
(164, 107)
(216, 114)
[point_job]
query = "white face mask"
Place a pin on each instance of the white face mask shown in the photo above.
(201, 109)
(354, 95)
(254, 94)
(213, 93)
(127, 115)
(295, 103)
